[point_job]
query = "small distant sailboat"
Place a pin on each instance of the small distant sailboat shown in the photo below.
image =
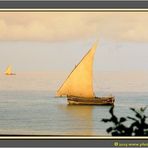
(78, 87)
(8, 71)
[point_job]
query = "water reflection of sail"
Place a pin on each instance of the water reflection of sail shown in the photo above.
(80, 119)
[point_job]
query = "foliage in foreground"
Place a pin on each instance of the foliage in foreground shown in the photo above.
(138, 127)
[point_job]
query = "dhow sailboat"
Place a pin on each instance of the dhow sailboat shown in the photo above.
(8, 71)
(78, 87)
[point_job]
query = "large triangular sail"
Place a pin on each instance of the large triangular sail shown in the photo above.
(80, 81)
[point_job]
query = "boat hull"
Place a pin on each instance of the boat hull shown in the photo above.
(91, 101)
(12, 74)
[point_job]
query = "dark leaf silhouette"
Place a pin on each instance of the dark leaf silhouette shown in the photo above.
(109, 129)
(138, 127)
(132, 118)
(106, 120)
(122, 119)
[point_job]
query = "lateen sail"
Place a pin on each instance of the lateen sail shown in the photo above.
(80, 81)
(8, 70)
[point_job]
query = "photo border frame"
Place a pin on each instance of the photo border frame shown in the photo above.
(72, 6)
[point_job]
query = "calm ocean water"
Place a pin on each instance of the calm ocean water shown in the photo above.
(24, 110)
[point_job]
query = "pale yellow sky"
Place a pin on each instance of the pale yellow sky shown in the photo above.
(59, 26)
(46, 41)
(52, 41)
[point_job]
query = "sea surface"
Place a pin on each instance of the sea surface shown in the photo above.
(29, 107)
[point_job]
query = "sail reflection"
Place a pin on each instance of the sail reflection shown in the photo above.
(80, 119)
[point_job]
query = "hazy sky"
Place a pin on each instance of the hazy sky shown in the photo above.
(45, 41)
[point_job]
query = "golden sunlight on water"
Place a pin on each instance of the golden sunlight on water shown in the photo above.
(28, 105)
(79, 114)
(103, 81)
(29, 81)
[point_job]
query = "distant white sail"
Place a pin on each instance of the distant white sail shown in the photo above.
(80, 81)
(8, 70)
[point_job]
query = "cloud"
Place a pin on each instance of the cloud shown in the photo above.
(57, 26)
(131, 26)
